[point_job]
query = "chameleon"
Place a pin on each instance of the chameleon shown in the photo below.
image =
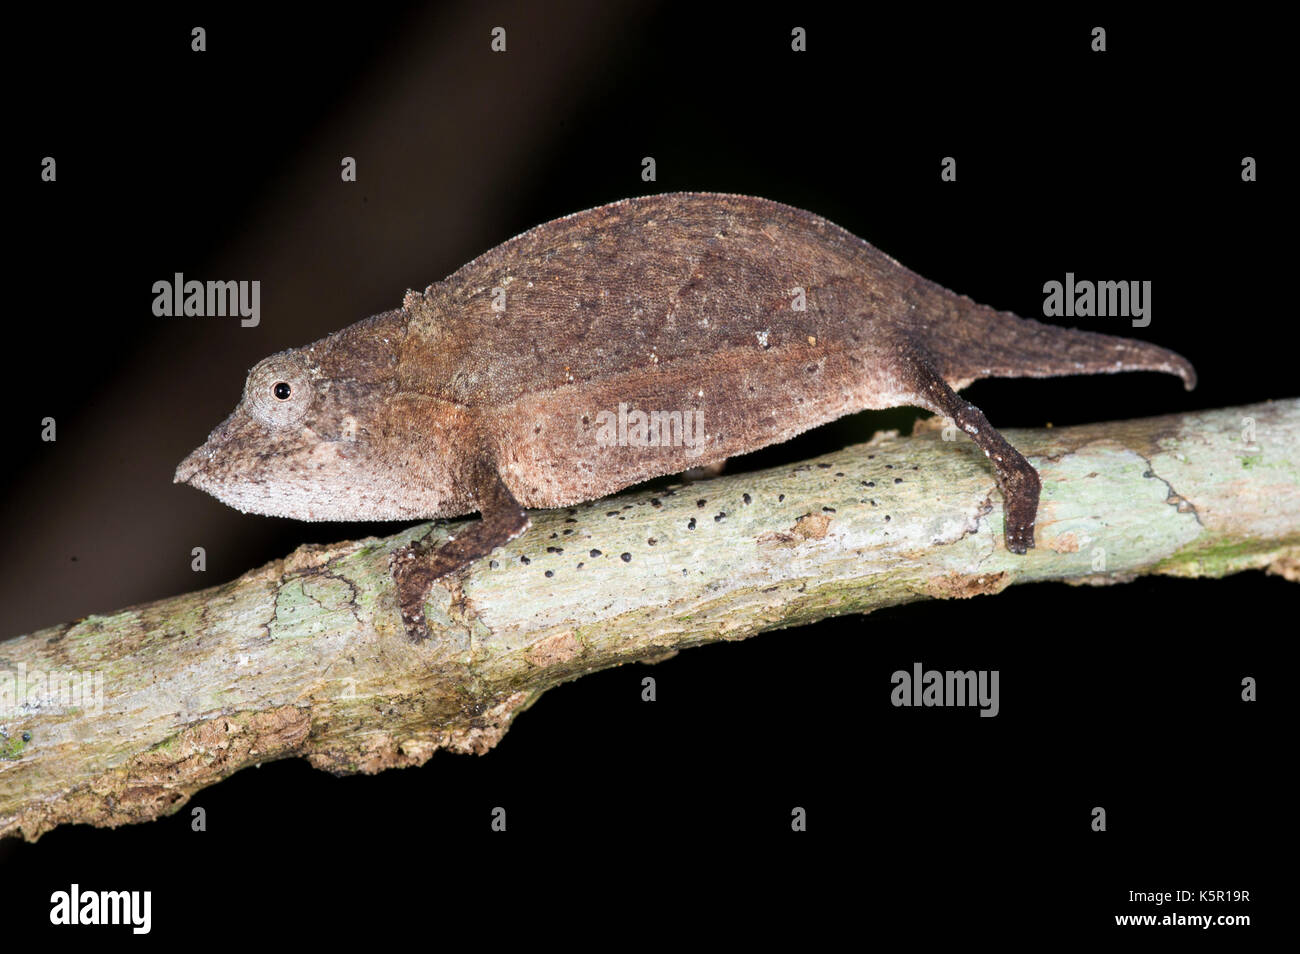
(493, 390)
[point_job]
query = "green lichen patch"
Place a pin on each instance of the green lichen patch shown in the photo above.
(12, 746)
(312, 604)
(1221, 558)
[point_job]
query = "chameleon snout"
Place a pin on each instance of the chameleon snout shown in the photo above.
(201, 466)
(192, 466)
(196, 469)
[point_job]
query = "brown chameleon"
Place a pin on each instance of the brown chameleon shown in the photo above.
(496, 389)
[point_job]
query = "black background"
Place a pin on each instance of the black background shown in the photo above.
(224, 164)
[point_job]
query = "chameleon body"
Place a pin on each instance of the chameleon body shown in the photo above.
(494, 389)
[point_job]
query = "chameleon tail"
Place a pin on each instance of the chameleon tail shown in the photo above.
(999, 344)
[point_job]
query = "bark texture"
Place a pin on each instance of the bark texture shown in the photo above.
(122, 717)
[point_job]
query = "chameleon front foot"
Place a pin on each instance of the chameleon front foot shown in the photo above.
(417, 566)
(413, 575)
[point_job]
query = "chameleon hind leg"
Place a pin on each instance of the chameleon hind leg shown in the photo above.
(1016, 477)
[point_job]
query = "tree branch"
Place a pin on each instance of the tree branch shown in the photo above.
(306, 656)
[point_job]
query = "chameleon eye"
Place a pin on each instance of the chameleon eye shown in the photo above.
(279, 392)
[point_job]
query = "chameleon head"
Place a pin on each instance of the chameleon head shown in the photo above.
(298, 445)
